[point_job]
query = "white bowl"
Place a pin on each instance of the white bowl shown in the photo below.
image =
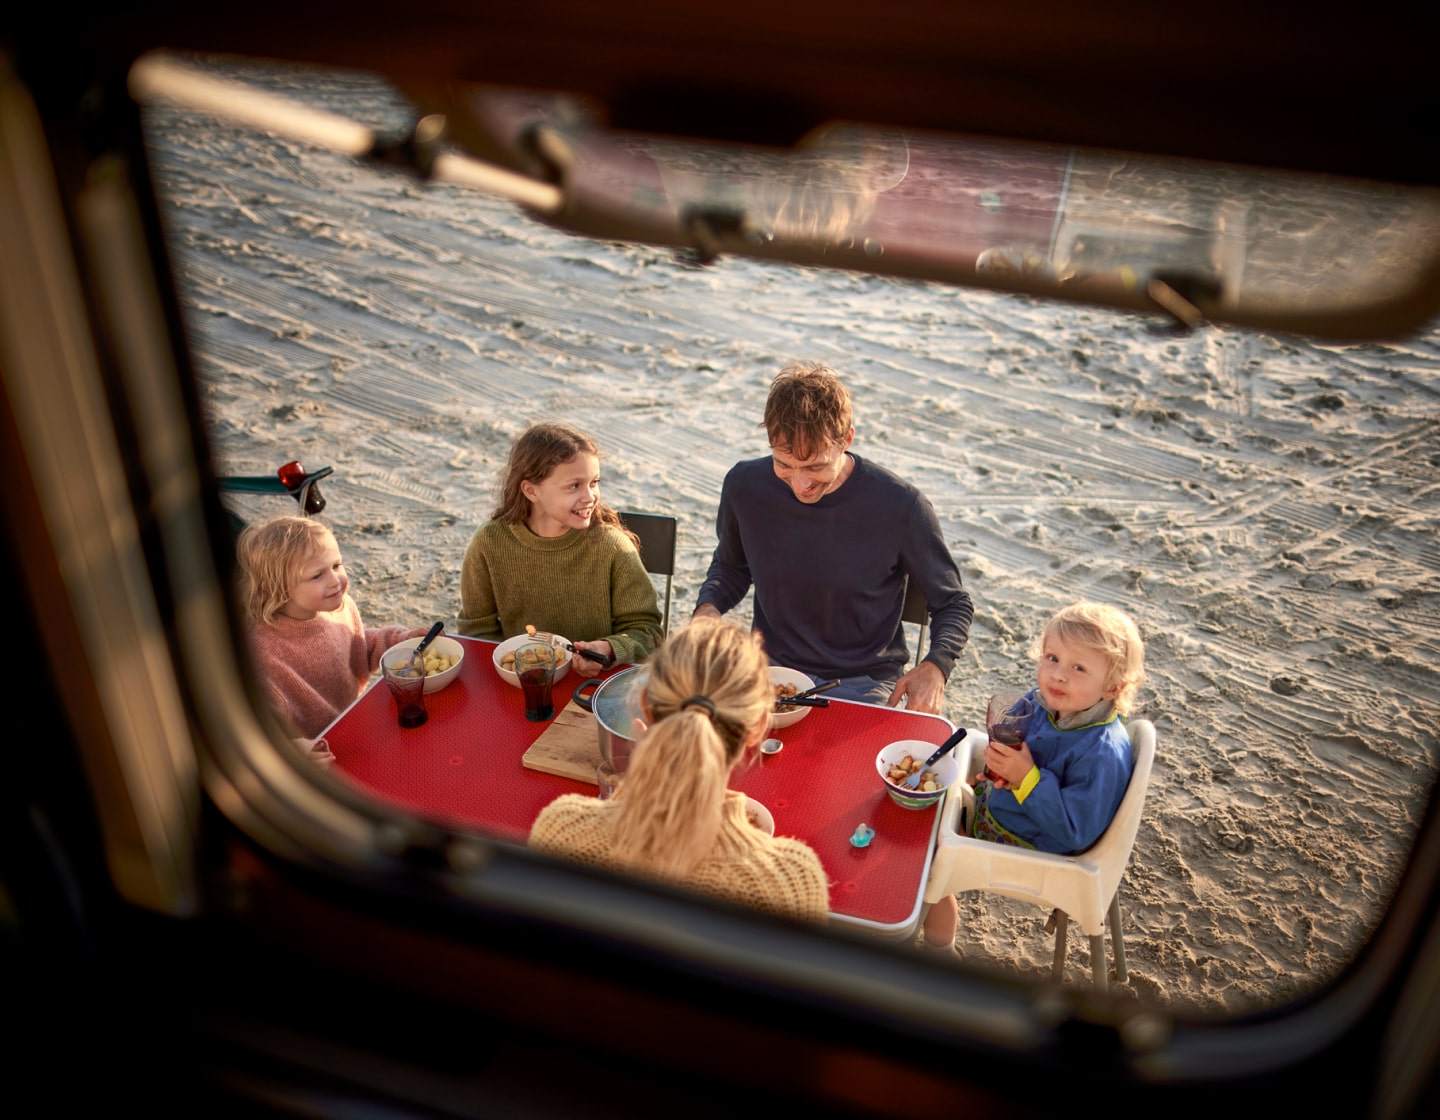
(759, 816)
(510, 645)
(947, 770)
(434, 682)
(801, 683)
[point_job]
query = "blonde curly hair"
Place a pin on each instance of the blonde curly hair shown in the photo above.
(1112, 632)
(270, 553)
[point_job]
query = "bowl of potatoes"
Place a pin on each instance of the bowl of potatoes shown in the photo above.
(442, 659)
(900, 759)
(504, 657)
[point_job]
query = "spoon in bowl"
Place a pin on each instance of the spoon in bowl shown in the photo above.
(415, 664)
(912, 781)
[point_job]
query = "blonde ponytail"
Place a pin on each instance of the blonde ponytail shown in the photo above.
(669, 816)
(707, 694)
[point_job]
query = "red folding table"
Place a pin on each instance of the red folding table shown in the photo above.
(463, 767)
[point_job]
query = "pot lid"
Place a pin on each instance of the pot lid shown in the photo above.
(617, 701)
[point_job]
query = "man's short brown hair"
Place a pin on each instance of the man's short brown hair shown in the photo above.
(808, 409)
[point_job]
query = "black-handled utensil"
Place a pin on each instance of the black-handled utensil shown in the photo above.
(430, 636)
(605, 659)
(801, 702)
(913, 780)
(819, 688)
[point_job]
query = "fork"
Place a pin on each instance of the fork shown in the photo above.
(912, 781)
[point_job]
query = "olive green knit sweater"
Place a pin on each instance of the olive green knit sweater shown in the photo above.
(588, 586)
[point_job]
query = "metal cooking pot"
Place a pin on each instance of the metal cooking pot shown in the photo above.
(615, 704)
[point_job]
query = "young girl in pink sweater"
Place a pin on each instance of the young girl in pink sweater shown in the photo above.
(314, 653)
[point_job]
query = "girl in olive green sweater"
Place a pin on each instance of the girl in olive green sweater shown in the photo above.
(556, 557)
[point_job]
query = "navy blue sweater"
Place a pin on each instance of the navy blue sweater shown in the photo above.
(830, 577)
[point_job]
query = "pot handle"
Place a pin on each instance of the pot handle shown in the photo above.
(580, 697)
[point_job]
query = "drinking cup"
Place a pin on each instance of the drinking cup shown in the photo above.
(407, 686)
(606, 780)
(1006, 717)
(535, 666)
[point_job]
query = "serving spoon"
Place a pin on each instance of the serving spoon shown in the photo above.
(801, 702)
(808, 698)
(819, 688)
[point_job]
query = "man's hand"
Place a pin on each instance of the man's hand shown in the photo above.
(924, 687)
(583, 666)
(1009, 764)
(705, 610)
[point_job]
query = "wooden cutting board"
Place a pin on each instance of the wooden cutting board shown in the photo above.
(568, 748)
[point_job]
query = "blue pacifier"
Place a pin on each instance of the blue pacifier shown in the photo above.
(862, 835)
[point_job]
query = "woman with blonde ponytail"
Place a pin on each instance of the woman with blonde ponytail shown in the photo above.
(706, 704)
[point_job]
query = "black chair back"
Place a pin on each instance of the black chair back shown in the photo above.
(918, 611)
(656, 532)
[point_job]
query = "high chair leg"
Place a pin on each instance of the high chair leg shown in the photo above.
(1117, 939)
(1059, 922)
(1097, 962)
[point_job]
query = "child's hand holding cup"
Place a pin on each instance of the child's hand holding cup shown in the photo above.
(1006, 717)
(1007, 766)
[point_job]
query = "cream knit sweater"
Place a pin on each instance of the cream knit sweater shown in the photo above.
(313, 670)
(588, 585)
(746, 865)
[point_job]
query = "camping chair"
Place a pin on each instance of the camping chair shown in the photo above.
(657, 547)
(916, 610)
(1085, 887)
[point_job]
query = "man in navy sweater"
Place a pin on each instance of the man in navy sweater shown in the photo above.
(828, 539)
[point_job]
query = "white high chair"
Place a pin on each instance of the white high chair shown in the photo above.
(1085, 887)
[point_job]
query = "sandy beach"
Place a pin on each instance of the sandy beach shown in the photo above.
(1265, 507)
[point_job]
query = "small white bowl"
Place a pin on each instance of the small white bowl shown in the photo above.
(759, 816)
(947, 770)
(510, 645)
(434, 682)
(801, 683)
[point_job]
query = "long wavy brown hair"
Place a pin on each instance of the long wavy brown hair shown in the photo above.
(539, 450)
(671, 801)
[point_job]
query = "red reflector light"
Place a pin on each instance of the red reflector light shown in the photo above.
(292, 475)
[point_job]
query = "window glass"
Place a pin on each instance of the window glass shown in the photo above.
(1247, 244)
(1263, 506)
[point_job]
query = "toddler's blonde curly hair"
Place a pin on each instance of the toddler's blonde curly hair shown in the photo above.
(1112, 632)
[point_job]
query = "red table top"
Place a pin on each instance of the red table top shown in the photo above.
(463, 766)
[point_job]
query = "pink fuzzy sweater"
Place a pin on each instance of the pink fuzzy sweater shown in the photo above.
(313, 670)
